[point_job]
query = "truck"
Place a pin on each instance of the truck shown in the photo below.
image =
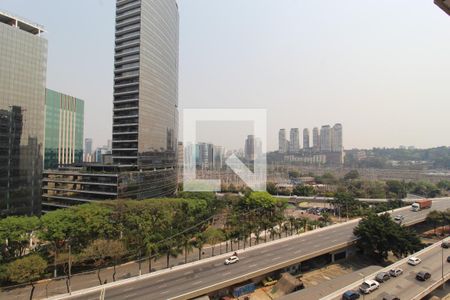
(421, 204)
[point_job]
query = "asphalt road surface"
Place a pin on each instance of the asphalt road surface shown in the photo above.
(212, 275)
(406, 286)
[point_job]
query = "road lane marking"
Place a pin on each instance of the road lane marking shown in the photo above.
(226, 274)
(198, 282)
(276, 258)
(297, 252)
(289, 249)
(252, 266)
(164, 292)
(128, 289)
(334, 241)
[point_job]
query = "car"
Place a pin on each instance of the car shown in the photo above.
(399, 218)
(382, 277)
(395, 272)
(369, 286)
(448, 258)
(350, 295)
(423, 276)
(231, 260)
(414, 261)
(445, 244)
(390, 297)
(268, 281)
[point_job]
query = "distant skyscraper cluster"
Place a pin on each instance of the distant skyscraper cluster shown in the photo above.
(327, 141)
(207, 156)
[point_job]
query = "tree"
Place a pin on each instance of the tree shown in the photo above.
(60, 227)
(396, 189)
(345, 203)
(271, 188)
(213, 236)
(303, 190)
(326, 218)
(379, 234)
(15, 235)
(435, 218)
(352, 175)
(100, 251)
(27, 269)
(199, 242)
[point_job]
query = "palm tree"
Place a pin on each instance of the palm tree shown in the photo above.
(199, 242)
(188, 247)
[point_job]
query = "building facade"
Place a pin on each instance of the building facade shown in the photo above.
(282, 142)
(294, 141)
(249, 150)
(306, 138)
(88, 150)
(325, 138)
(64, 129)
(23, 67)
(316, 139)
(337, 139)
(145, 113)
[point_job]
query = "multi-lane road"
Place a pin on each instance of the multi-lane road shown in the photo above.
(195, 279)
(406, 286)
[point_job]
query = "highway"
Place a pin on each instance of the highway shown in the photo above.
(196, 279)
(406, 286)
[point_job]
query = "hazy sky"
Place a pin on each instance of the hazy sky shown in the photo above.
(379, 67)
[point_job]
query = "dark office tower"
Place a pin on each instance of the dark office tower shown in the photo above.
(306, 138)
(145, 120)
(145, 117)
(23, 65)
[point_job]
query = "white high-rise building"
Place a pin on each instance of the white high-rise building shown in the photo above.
(316, 139)
(337, 141)
(294, 142)
(325, 138)
(282, 142)
(306, 138)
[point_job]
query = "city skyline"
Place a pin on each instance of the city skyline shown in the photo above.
(414, 109)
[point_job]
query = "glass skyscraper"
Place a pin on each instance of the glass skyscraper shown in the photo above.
(64, 127)
(23, 65)
(145, 118)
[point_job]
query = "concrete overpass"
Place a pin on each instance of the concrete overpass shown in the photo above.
(406, 286)
(299, 199)
(209, 275)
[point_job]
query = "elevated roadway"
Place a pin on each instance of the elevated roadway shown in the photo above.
(199, 278)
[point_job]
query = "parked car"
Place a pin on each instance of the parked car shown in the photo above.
(448, 258)
(399, 218)
(414, 261)
(369, 286)
(390, 297)
(231, 260)
(382, 277)
(395, 272)
(350, 295)
(268, 281)
(423, 276)
(445, 244)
